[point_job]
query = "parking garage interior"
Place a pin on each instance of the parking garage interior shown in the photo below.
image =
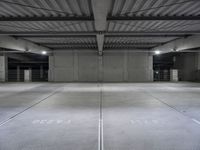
(99, 75)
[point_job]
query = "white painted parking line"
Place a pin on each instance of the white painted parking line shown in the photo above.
(33, 105)
(100, 129)
(196, 121)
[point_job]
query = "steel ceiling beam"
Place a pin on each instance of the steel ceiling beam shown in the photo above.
(12, 43)
(109, 33)
(133, 44)
(105, 48)
(145, 35)
(127, 48)
(86, 36)
(91, 18)
(50, 18)
(113, 43)
(74, 47)
(55, 36)
(49, 33)
(191, 42)
(152, 18)
(53, 44)
(149, 33)
(100, 10)
(68, 44)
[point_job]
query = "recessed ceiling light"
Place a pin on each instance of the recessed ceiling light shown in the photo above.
(157, 52)
(44, 52)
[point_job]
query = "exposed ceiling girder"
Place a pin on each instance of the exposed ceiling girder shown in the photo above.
(180, 44)
(52, 43)
(152, 18)
(112, 43)
(100, 11)
(120, 33)
(21, 45)
(51, 18)
(91, 18)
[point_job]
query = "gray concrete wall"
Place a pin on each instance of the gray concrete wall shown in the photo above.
(140, 67)
(188, 65)
(113, 66)
(87, 66)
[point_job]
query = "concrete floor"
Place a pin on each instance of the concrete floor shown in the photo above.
(135, 116)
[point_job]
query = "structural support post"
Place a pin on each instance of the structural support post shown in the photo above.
(197, 66)
(51, 69)
(126, 65)
(100, 11)
(3, 68)
(28, 75)
(100, 43)
(18, 73)
(198, 61)
(75, 65)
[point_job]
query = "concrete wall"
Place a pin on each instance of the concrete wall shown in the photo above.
(113, 66)
(188, 65)
(3, 68)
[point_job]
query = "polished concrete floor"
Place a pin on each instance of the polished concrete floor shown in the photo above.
(120, 116)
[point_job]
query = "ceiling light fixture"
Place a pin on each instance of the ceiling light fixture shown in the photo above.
(44, 52)
(157, 52)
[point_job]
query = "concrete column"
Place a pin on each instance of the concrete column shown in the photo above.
(198, 61)
(28, 75)
(18, 73)
(174, 75)
(150, 67)
(75, 67)
(126, 65)
(51, 68)
(3, 68)
(198, 67)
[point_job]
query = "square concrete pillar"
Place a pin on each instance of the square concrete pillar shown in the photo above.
(28, 75)
(174, 75)
(18, 73)
(198, 61)
(51, 69)
(3, 68)
(198, 67)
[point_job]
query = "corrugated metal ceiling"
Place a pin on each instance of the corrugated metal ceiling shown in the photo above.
(21, 26)
(182, 25)
(82, 8)
(24, 8)
(155, 7)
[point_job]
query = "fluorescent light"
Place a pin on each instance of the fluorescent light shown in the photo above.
(157, 52)
(44, 52)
